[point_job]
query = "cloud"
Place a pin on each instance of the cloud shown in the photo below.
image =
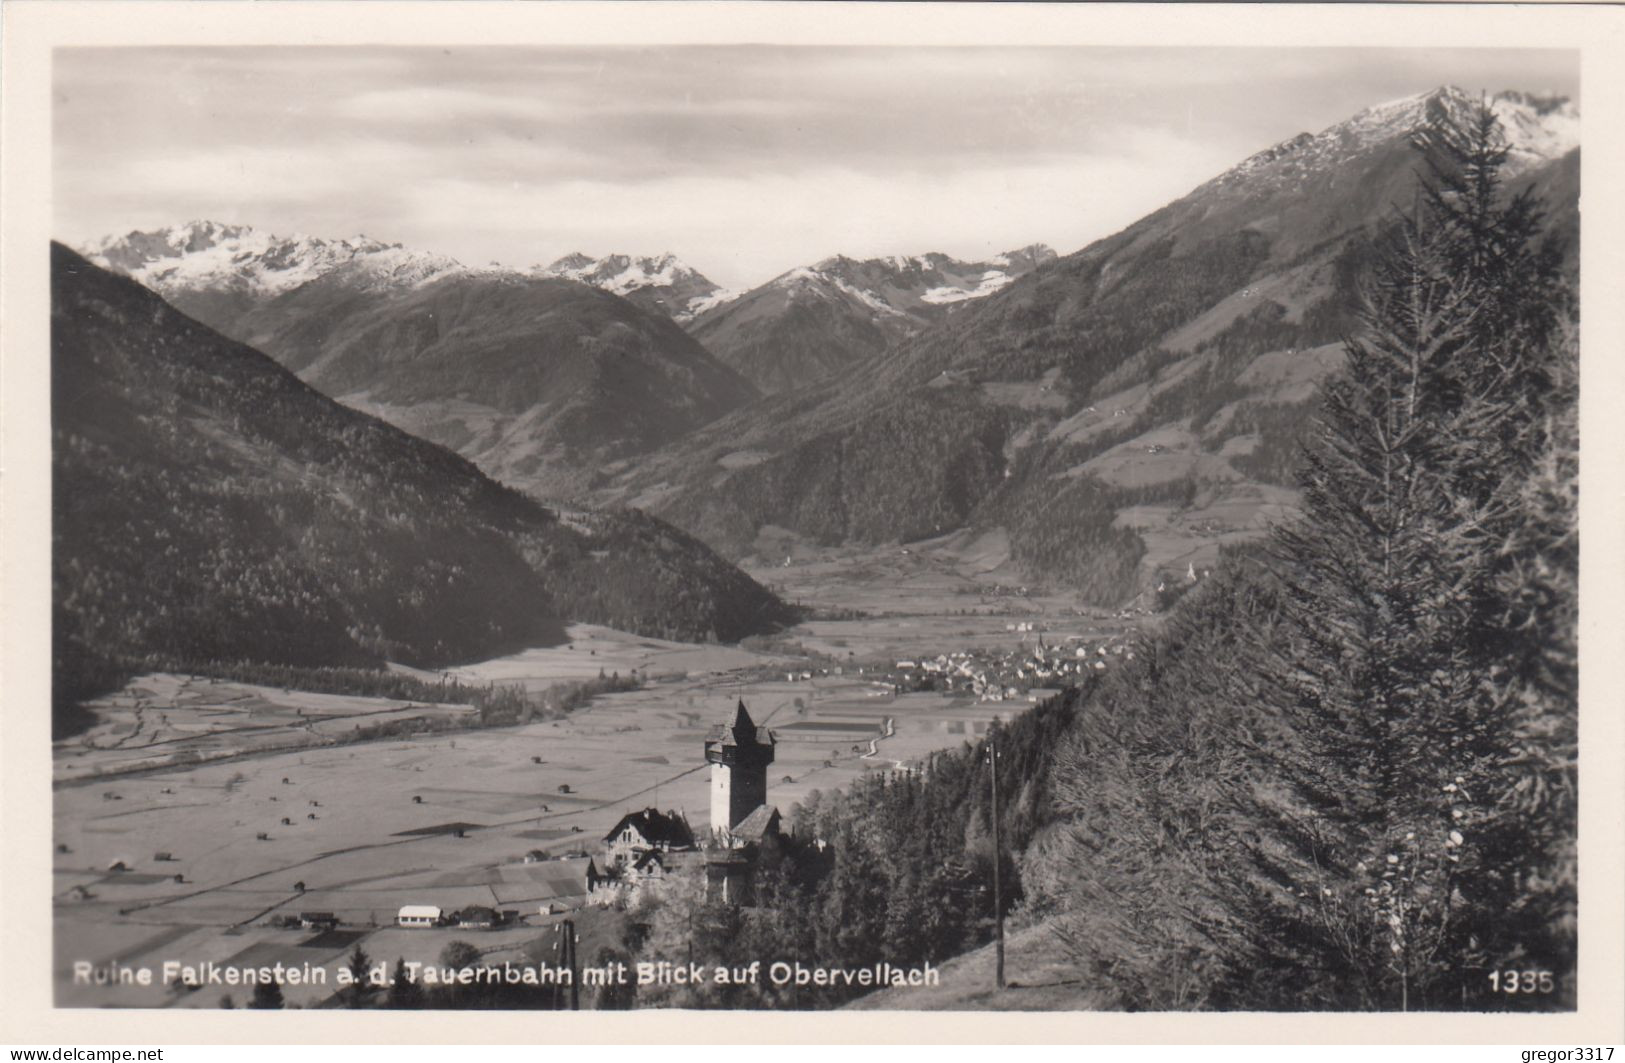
(430, 105)
(742, 230)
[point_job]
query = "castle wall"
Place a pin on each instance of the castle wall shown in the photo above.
(720, 798)
(749, 790)
(736, 791)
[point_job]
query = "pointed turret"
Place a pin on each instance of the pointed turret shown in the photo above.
(742, 729)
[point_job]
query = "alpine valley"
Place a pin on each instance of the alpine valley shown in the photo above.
(1203, 600)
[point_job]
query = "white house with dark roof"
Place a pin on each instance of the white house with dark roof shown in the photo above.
(647, 831)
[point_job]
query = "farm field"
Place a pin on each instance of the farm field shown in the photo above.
(191, 859)
(960, 591)
(161, 720)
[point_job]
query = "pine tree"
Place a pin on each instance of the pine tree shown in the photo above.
(1538, 587)
(1161, 784)
(1493, 246)
(357, 966)
(267, 996)
(1398, 854)
(404, 992)
(456, 956)
(614, 995)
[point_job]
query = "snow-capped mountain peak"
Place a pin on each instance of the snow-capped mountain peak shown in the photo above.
(899, 284)
(210, 255)
(619, 273)
(811, 321)
(574, 262)
(1537, 129)
(662, 281)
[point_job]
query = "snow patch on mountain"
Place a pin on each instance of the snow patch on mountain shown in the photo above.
(823, 281)
(991, 282)
(700, 304)
(866, 297)
(1538, 128)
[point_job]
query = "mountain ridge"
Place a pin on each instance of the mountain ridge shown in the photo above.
(539, 379)
(211, 255)
(1113, 417)
(814, 321)
(207, 504)
(660, 282)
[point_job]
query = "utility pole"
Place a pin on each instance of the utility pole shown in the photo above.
(998, 859)
(565, 950)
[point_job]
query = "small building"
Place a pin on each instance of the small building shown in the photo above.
(649, 865)
(536, 856)
(418, 915)
(476, 917)
(318, 920)
(645, 874)
(604, 888)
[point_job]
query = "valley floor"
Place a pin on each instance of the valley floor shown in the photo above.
(192, 861)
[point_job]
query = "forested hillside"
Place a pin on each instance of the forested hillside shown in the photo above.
(537, 380)
(1344, 775)
(209, 505)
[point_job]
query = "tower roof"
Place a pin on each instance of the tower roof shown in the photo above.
(758, 825)
(741, 730)
(742, 724)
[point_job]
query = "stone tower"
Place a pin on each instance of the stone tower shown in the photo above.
(739, 756)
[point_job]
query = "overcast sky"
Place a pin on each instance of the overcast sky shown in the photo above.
(745, 161)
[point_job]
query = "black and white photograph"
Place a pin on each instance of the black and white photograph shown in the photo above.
(776, 525)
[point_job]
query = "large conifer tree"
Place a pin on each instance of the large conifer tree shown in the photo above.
(1401, 850)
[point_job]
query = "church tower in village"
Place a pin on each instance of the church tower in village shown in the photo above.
(739, 754)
